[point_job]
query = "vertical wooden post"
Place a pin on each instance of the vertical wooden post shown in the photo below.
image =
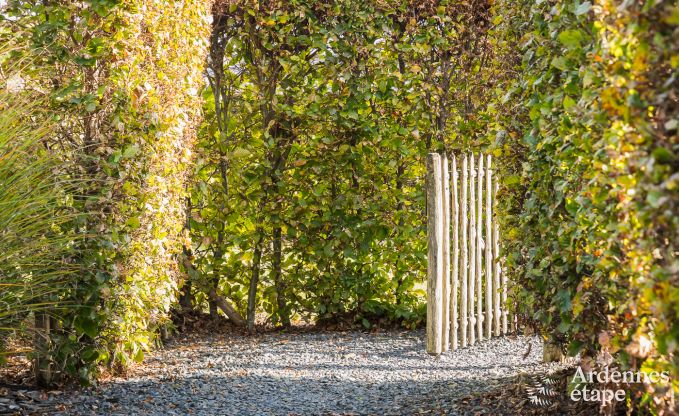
(489, 251)
(456, 261)
(41, 366)
(472, 250)
(445, 187)
(479, 249)
(435, 255)
(500, 293)
(464, 290)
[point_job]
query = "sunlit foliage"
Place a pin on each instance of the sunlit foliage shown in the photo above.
(121, 80)
(592, 244)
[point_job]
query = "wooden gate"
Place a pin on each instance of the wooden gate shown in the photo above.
(466, 289)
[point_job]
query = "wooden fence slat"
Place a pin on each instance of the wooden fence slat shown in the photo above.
(479, 249)
(500, 295)
(456, 260)
(435, 253)
(472, 250)
(445, 187)
(464, 290)
(489, 250)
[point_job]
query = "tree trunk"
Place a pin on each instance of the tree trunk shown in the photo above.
(218, 253)
(185, 296)
(41, 365)
(283, 312)
(254, 282)
(214, 315)
(400, 170)
(214, 284)
(228, 310)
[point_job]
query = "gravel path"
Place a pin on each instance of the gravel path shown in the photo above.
(347, 373)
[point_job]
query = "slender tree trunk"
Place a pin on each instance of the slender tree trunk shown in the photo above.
(185, 296)
(41, 366)
(254, 282)
(219, 252)
(214, 315)
(400, 170)
(214, 283)
(399, 211)
(277, 274)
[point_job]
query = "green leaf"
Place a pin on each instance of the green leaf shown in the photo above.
(571, 38)
(583, 8)
(563, 327)
(560, 63)
(133, 222)
(572, 206)
(87, 326)
(656, 198)
(512, 180)
(138, 356)
(90, 354)
(130, 151)
(240, 153)
(662, 155)
(574, 348)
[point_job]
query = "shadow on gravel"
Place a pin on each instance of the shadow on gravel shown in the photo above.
(311, 374)
(257, 395)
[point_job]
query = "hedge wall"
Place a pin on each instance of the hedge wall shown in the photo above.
(122, 78)
(592, 242)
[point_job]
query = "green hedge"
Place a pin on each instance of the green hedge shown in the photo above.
(593, 187)
(122, 79)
